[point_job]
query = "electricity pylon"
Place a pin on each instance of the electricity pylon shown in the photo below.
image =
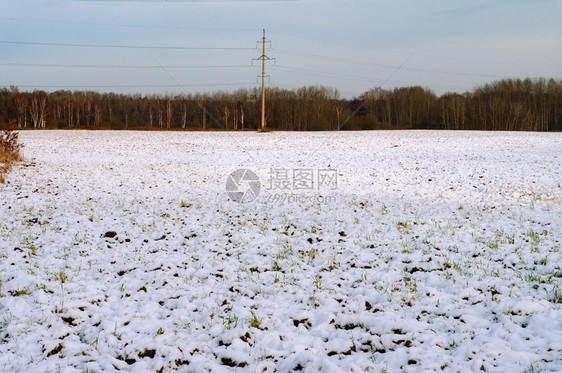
(263, 58)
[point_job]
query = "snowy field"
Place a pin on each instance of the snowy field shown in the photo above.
(363, 251)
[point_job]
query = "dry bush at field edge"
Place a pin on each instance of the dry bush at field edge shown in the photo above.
(9, 149)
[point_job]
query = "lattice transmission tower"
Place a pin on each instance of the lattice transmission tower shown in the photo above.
(263, 58)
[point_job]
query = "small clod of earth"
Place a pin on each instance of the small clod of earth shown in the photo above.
(110, 234)
(231, 363)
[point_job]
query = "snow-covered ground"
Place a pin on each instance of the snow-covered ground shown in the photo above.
(430, 251)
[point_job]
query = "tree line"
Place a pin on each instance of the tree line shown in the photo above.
(509, 104)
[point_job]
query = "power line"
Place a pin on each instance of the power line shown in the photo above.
(362, 46)
(341, 43)
(122, 25)
(20, 64)
(364, 78)
(288, 52)
(384, 66)
(463, 59)
(187, 1)
(329, 58)
(121, 46)
(128, 86)
(294, 70)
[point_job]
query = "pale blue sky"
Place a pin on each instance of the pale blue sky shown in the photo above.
(350, 45)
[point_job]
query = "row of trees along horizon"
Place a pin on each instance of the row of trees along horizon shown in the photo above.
(509, 104)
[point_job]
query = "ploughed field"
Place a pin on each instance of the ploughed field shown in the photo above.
(350, 251)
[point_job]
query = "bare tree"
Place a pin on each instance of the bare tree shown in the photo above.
(169, 112)
(20, 103)
(37, 109)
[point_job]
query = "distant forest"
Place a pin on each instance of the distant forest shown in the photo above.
(506, 105)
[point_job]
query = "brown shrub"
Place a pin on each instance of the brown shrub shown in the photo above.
(9, 149)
